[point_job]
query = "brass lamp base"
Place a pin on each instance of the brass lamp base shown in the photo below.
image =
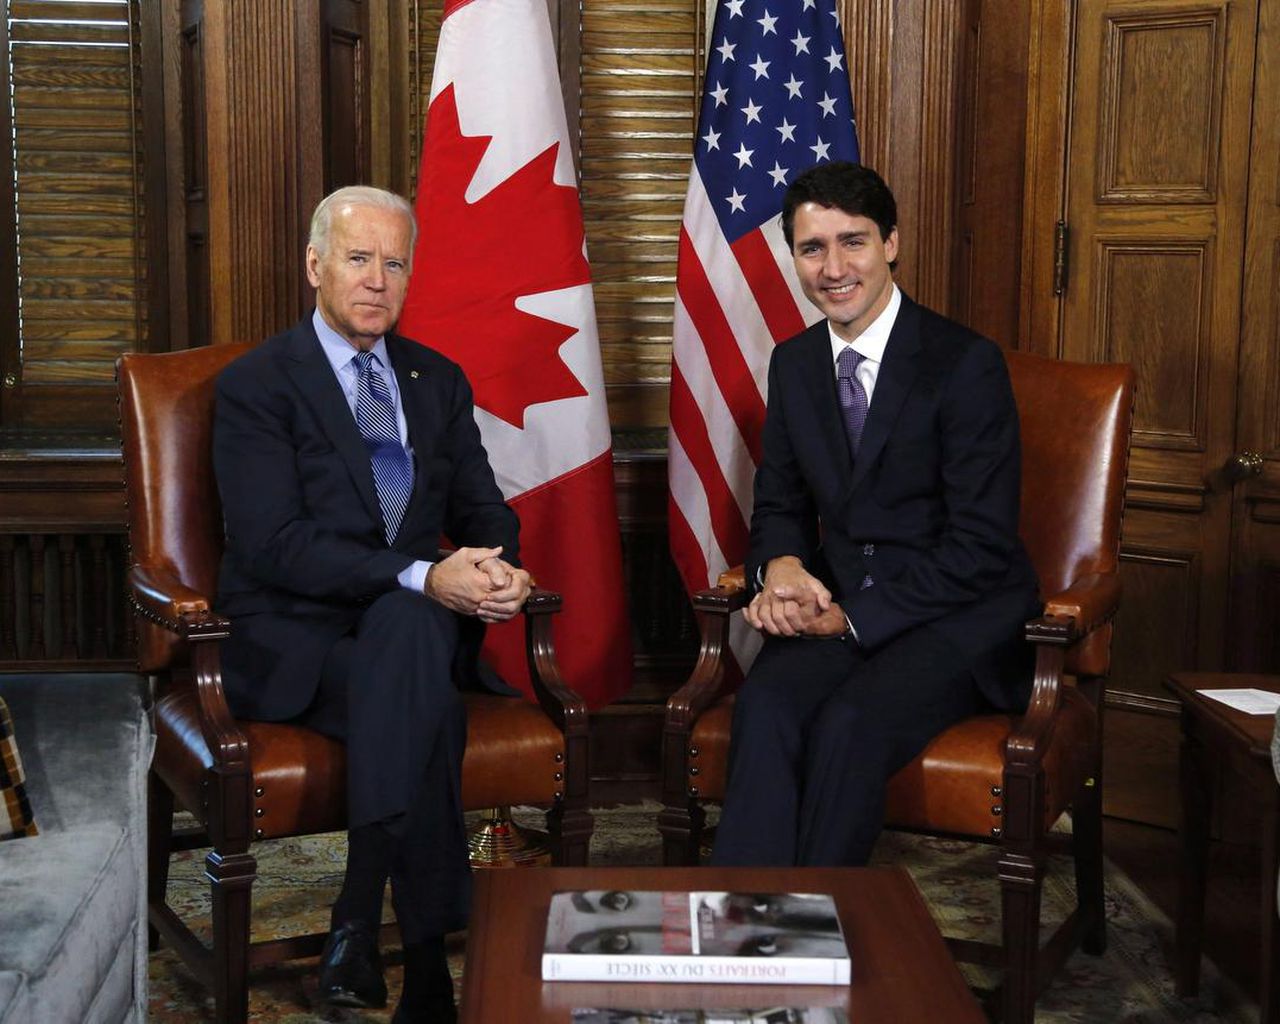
(498, 842)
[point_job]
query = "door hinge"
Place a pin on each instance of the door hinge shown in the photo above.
(1060, 257)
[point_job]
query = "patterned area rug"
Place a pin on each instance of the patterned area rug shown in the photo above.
(1131, 983)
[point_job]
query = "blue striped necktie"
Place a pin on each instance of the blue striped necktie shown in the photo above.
(376, 418)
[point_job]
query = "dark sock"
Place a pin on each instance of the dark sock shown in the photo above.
(370, 851)
(426, 975)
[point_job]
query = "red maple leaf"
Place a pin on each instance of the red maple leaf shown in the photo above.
(474, 260)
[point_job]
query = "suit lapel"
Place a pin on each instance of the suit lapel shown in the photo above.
(820, 382)
(897, 374)
(314, 377)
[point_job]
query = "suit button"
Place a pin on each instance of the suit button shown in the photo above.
(868, 550)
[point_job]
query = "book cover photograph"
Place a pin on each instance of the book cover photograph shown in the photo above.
(695, 937)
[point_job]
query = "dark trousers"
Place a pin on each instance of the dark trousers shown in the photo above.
(818, 729)
(387, 691)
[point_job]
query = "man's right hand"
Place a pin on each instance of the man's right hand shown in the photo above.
(790, 601)
(458, 582)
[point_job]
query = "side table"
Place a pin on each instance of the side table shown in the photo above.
(1218, 738)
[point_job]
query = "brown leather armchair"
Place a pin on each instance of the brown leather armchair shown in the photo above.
(995, 778)
(245, 781)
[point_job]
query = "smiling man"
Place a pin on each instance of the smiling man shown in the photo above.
(343, 453)
(888, 578)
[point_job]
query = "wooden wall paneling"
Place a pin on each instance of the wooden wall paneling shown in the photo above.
(252, 160)
(906, 81)
(344, 69)
(991, 163)
(1050, 63)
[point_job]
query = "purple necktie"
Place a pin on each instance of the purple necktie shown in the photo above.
(853, 397)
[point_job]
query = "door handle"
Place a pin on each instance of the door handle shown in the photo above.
(1242, 466)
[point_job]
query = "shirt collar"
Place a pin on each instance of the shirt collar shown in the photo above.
(341, 352)
(870, 343)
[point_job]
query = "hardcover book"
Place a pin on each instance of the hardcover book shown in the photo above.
(695, 937)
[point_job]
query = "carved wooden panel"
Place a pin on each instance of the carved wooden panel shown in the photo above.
(1152, 311)
(194, 181)
(1161, 103)
(344, 64)
(1157, 620)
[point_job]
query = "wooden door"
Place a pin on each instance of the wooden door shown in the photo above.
(1156, 178)
(1254, 629)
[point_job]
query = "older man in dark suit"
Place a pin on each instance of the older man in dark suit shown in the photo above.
(343, 453)
(890, 582)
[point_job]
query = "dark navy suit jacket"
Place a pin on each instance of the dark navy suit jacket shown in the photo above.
(929, 509)
(305, 548)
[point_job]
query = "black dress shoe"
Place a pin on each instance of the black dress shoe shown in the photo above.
(437, 1009)
(351, 967)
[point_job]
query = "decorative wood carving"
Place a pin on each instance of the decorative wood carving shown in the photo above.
(1170, 352)
(1163, 82)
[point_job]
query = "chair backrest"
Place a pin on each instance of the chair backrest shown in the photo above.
(166, 428)
(1075, 420)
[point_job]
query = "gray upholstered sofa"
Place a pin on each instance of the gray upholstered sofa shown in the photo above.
(73, 935)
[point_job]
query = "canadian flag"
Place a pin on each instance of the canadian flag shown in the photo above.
(501, 285)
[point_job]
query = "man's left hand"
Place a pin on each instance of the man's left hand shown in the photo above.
(508, 589)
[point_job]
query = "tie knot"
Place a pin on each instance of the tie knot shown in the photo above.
(848, 361)
(365, 361)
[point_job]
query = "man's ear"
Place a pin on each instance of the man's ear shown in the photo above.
(891, 246)
(313, 266)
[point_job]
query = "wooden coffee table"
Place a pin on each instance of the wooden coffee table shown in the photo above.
(901, 968)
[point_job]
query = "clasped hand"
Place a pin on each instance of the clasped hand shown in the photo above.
(793, 602)
(476, 581)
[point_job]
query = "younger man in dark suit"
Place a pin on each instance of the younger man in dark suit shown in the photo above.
(889, 579)
(343, 453)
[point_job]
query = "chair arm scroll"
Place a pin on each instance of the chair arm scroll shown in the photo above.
(713, 609)
(165, 600)
(1069, 617)
(561, 704)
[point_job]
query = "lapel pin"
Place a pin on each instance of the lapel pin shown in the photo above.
(413, 374)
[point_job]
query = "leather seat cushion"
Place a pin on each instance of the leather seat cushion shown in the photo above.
(514, 755)
(948, 787)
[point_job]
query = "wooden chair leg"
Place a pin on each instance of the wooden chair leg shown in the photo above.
(681, 827)
(231, 884)
(159, 835)
(1021, 876)
(569, 829)
(1087, 848)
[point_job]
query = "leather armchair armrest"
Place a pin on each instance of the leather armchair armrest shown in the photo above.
(1069, 618)
(168, 602)
(1088, 603)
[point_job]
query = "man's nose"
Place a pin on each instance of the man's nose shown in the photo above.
(376, 278)
(832, 263)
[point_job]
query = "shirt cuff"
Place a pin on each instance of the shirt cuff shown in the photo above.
(414, 576)
(848, 625)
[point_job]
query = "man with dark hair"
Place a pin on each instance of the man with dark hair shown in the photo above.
(343, 452)
(888, 577)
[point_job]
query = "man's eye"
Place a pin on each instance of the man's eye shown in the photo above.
(395, 265)
(358, 259)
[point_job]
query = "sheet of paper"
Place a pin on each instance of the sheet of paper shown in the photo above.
(1251, 702)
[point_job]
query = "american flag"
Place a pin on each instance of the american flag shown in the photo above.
(777, 101)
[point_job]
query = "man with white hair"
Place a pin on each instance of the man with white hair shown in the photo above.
(343, 453)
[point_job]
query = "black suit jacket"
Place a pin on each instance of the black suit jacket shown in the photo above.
(929, 509)
(305, 549)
